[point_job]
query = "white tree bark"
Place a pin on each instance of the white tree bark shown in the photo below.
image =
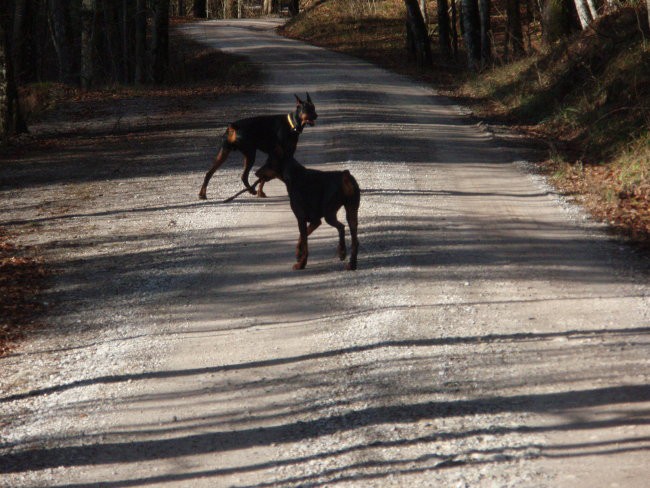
(423, 9)
(592, 9)
(583, 13)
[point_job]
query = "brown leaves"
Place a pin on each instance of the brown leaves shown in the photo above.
(22, 279)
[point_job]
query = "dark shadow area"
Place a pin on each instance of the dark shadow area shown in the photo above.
(511, 338)
(140, 451)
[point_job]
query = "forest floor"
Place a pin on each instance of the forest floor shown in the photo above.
(493, 335)
(585, 101)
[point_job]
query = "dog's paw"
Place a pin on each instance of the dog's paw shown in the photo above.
(261, 194)
(351, 267)
(298, 266)
(202, 196)
(341, 253)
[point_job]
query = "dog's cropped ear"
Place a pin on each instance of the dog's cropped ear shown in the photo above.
(298, 101)
(309, 98)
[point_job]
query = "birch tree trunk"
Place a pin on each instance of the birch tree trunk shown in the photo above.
(423, 10)
(583, 13)
(592, 9)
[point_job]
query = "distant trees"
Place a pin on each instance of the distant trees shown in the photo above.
(86, 42)
(557, 19)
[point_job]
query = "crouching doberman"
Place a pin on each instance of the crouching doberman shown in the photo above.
(275, 135)
(314, 195)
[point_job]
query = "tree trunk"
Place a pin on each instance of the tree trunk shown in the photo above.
(128, 41)
(556, 20)
(454, 29)
(583, 13)
(160, 40)
(294, 7)
(87, 31)
(227, 9)
(240, 12)
(181, 8)
(472, 33)
(11, 120)
(19, 39)
(199, 9)
(141, 41)
(514, 34)
(592, 9)
(444, 31)
(5, 74)
(486, 32)
(62, 40)
(417, 35)
(423, 10)
(648, 7)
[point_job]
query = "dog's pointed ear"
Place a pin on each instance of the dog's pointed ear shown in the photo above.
(298, 101)
(309, 98)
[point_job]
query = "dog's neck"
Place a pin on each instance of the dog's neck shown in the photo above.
(290, 169)
(294, 121)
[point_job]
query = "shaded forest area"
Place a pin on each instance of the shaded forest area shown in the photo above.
(572, 74)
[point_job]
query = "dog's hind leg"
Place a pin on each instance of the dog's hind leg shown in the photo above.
(249, 161)
(352, 216)
(333, 221)
(219, 159)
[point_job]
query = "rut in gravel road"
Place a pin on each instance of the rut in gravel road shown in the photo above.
(492, 335)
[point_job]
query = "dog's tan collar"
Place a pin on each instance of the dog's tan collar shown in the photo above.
(293, 124)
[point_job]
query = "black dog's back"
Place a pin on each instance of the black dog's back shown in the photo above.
(262, 132)
(317, 192)
(314, 195)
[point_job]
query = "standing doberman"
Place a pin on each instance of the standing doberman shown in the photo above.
(275, 135)
(314, 195)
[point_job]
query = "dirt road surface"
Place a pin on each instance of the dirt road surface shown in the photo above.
(493, 336)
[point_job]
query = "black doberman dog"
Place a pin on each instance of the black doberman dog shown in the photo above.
(275, 135)
(314, 195)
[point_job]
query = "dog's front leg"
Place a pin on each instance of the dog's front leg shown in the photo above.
(301, 249)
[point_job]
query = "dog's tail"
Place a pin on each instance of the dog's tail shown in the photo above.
(351, 191)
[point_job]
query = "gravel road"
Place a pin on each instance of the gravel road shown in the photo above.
(493, 335)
